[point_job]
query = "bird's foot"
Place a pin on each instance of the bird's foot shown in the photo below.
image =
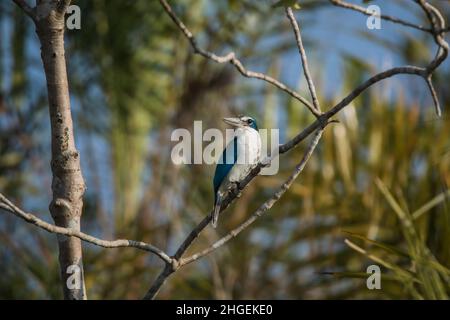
(233, 186)
(236, 189)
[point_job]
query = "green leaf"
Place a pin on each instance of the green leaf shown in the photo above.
(401, 272)
(383, 246)
(431, 204)
(287, 3)
(360, 275)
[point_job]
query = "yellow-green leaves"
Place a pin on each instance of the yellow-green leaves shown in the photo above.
(287, 3)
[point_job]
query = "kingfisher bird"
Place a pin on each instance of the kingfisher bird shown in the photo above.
(239, 157)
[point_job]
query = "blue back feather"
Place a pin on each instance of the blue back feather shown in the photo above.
(223, 168)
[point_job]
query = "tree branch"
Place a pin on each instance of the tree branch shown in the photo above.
(437, 105)
(22, 4)
(158, 283)
(437, 29)
(371, 81)
(367, 12)
(231, 58)
(67, 180)
(63, 5)
(8, 206)
(302, 52)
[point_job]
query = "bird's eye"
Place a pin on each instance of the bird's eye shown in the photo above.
(249, 121)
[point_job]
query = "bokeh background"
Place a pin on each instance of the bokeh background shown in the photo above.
(133, 79)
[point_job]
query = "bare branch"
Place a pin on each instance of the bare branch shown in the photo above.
(7, 205)
(423, 5)
(63, 5)
(158, 283)
(437, 105)
(22, 4)
(437, 22)
(371, 81)
(231, 58)
(302, 52)
(437, 29)
(347, 100)
(367, 12)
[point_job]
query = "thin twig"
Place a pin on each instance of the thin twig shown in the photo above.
(301, 50)
(7, 205)
(367, 12)
(413, 70)
(437, 25)
(437, 22)
(63, 5)
(437, 29)
(158, 283)
(231, 58)
(437, 105)
(22, 4)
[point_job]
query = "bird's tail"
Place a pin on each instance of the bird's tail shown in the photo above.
(216, 212)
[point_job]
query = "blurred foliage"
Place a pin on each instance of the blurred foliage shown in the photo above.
(134, 79)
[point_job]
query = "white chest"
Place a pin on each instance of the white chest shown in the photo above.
(248, 153)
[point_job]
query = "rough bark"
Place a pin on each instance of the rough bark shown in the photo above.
(67, 184)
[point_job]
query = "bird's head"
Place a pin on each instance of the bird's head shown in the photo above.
(241, 122)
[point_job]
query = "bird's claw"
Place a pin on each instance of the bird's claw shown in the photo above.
(234, 188)
(237, 189)
(265, 162)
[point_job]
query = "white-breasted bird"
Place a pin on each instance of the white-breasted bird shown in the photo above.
(239, 157)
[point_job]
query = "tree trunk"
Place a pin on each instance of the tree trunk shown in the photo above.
(67, 185)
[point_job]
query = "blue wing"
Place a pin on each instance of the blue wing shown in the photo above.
(223, 167)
